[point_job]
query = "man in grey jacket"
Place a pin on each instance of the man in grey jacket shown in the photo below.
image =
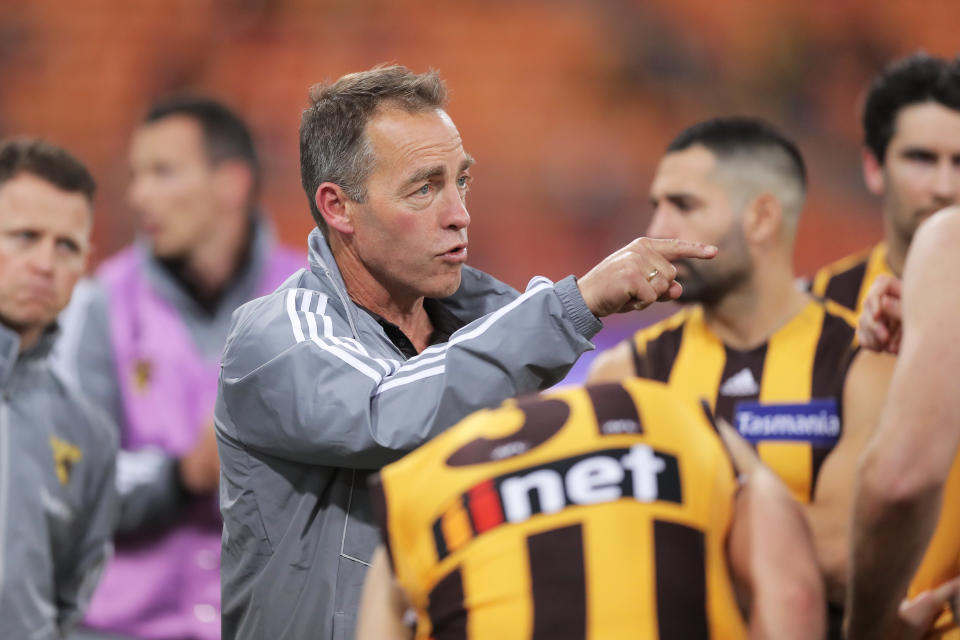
(57, 454)
(384, 342)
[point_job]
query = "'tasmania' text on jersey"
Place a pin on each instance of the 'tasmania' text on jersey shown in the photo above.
(784, 396)
(589, 513)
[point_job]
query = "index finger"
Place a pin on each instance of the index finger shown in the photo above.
(673, 249)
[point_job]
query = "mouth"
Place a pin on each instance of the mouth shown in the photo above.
(456, 254)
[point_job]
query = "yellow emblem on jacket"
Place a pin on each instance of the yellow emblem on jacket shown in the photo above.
(65, 455)
(142, 370)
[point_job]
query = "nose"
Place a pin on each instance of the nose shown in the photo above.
(946, 183)
(43, 257)
(456, 216)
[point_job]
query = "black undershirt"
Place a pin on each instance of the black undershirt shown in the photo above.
(444, 324)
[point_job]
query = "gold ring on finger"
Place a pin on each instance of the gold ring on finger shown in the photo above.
(653, 274)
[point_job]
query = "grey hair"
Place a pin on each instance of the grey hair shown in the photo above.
(333, 144)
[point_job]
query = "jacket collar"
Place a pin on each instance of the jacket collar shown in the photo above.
(10, 356)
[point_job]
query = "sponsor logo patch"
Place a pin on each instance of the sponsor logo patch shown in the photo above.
(816, 422)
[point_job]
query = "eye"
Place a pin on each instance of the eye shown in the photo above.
(424, 190)
(25, 235)
(68, 246)
(464, 181)
(921, 156)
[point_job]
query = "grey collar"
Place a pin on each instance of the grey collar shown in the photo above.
(10, 356)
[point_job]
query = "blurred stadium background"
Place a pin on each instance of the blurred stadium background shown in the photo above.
(567, 105)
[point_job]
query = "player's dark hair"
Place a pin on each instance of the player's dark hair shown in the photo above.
(225, 135)
(912, 80)
(729, 136)
(47, 161)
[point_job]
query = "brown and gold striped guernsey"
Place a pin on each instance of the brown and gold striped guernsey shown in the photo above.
(595, 513)
(848, 280)
(797, 376)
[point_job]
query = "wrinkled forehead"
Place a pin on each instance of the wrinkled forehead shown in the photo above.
(401, 137)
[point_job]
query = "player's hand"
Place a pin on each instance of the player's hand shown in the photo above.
(879, 326)
(638, 275)
(916, 616)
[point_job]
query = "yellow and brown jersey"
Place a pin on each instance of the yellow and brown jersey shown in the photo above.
(598, 512)
(784, 396)
(848, 280)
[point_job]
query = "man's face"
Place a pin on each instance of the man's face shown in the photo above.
(691, 202)
(921, 170)
(411, 233)
(172, 186)
(44, 242)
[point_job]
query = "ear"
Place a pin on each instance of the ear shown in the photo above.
(873, 173)
(233, 181)
(763, 218)
(333, 205)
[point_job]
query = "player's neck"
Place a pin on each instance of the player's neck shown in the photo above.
(747, 317)
(212, 264)
(392, 303)
(897, 247)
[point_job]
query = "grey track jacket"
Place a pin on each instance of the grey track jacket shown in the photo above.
(314, 397)
(57, 499)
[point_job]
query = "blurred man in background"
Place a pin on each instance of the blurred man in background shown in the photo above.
(607, 512)
(57, 452)
(911, 159)
(387, 340)
(146, 346)
(772, 360)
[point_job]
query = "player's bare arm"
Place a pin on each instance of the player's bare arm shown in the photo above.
(772, 556)
(902, 472)
(829, 512)
(612, 365)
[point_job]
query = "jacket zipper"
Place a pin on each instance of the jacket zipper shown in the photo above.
(4, 481)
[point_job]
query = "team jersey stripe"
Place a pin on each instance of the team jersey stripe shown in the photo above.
(700, 361)
(448, 617)
(615, 410)
(656, 360)
(787, 377)
(835, 351)
(558, 583)
(844, 288)
(681, 579)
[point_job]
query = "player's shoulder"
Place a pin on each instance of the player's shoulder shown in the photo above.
(843, 265)
(937, 238)
(670, 323)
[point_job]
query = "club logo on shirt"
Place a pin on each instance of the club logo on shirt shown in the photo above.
(65, 456)
(639, 472)
(816, 422)
(142, 372)
(740, 384)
